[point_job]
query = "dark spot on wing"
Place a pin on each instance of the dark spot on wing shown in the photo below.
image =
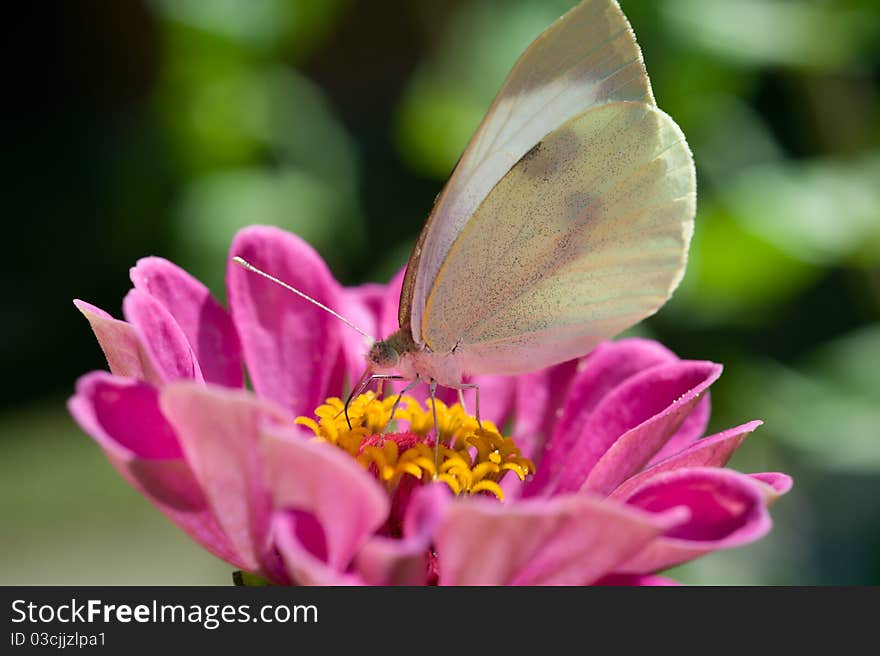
(534, 150)
(537, 164)
(578, 203)
(542, 163)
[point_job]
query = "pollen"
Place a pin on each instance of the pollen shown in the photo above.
(473, 457)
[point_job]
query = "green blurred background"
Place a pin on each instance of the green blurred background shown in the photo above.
(162, 127)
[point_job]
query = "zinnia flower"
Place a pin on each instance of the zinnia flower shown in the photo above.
(593, 471)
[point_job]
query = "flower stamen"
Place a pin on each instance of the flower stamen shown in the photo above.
(473, 458)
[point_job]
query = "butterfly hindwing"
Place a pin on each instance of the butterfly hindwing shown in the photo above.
(585, 235)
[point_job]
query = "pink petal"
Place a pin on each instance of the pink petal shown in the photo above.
(291, 347)
(324, 481)
(123, 415)
(691, 430)
(631, 424)
(369, 298)
(219, 431)
(727, 510)
(388, 561)
(365, 307)
(119, 344)
(603, 370)
(773, 484)
(124, 418)
(538, 400)
(204, 322)
(597, 375)
(567, 540)
(712, 451)
(161, 338)
(303, 566)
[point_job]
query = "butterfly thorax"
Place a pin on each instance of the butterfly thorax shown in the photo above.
(400, 354)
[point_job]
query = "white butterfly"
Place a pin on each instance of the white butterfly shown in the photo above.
(566, 220)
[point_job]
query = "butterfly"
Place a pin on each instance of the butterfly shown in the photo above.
(566, 220)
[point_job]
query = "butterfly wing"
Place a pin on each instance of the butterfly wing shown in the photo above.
(586, 58)
(585, 235)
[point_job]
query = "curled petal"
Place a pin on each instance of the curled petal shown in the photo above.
(774, 484)
(328, 484)
(631, 424)
(123, 415)
(119, 343)
(161, 338)
(727, 510)
(690, 431)
(207, 327)
(712, 451)
(604, 370)
(124, 418)
(291, 533)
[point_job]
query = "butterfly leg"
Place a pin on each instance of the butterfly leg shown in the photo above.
(466, 386)
(433, 391)
(399, 397)
(363, 383)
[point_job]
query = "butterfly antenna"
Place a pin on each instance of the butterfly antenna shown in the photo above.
(250, 267)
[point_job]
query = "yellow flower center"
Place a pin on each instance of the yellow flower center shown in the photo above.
(472, 459)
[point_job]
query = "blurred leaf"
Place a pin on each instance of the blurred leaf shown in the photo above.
(224, 106)
(820, 212)
(210, 113)
(396, 257)
(434, 125)
(311, 190)
(728, 137)
(798, 33)
(734, 275)
(301, 128)
(828, 408)
(70, 519)
(852, 363)
(216, 206)
(257, 24)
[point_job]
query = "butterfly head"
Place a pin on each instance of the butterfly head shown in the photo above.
(383, 356)
(387, 354)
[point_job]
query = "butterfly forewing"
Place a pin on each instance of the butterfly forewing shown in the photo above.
(585, 235)
(587, 58)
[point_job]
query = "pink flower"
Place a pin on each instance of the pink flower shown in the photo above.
(624, 485)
